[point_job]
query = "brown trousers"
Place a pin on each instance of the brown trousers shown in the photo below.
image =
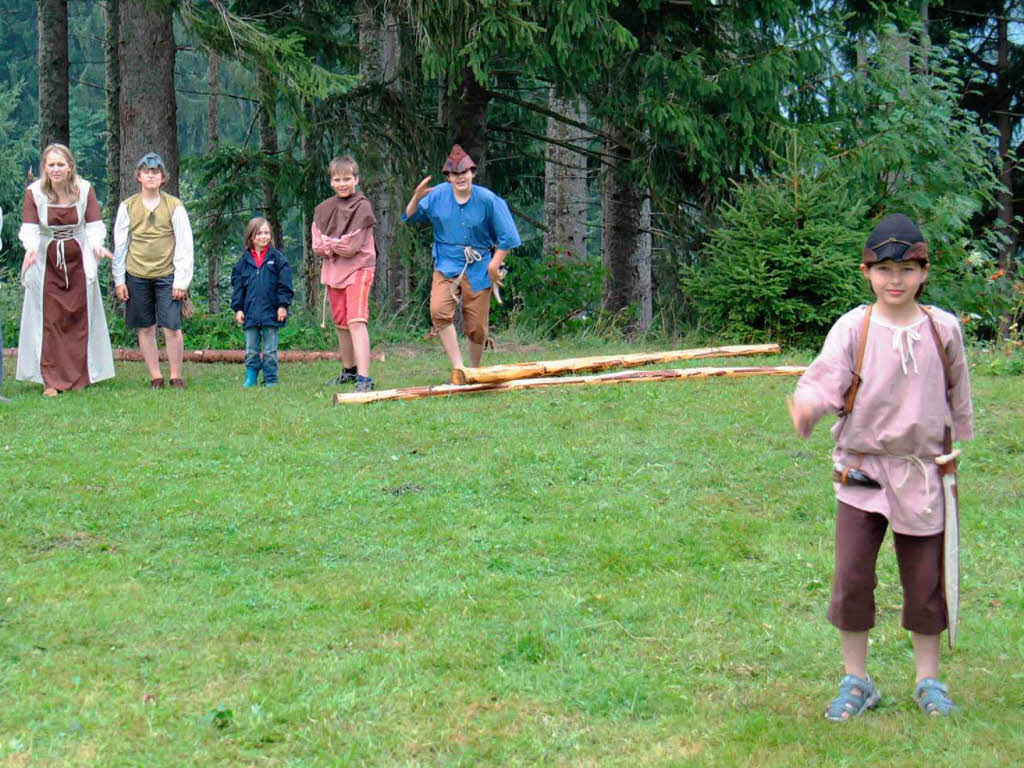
(859, 536)
(476, 306)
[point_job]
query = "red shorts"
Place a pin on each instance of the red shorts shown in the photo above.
(351, 304)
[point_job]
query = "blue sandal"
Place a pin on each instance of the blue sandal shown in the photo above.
(933, 698)
(855, 695)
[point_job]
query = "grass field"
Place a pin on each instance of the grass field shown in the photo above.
(623, 575)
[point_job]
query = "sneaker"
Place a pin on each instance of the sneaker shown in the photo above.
(157, 383)
(347, 376)
(364, 384)
(4, 399)
(177, 383)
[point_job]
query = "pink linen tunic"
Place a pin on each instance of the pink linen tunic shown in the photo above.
(895, 429)
(344, 256)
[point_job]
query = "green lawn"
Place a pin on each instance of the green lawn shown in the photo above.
(621, 575)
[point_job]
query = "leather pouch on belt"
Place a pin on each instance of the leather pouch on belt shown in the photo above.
(852, 476)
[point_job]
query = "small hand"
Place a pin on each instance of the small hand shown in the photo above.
(177, 294)
(122, 292)
(282, 314)
(102, 253)
(496, 272)
(239, 317)
(30, 258)
(422, 189)
(802, 416)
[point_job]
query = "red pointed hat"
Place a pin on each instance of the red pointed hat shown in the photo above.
(458, 161)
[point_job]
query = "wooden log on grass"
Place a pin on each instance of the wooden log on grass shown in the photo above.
(493, 374)
(224, 355)
(619, 377)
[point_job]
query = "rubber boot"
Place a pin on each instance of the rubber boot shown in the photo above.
(251, 377)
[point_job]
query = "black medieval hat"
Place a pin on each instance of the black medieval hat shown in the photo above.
(895, 238)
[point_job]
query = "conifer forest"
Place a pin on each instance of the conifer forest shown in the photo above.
(709, 164)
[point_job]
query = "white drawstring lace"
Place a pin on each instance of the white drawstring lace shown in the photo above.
(903, 342)
(62, 233)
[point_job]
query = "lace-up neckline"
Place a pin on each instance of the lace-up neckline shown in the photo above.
(903, 339)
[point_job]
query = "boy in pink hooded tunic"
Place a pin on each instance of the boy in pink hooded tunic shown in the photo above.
(892, 435)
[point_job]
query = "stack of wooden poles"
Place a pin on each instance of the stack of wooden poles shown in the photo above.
(550, 373)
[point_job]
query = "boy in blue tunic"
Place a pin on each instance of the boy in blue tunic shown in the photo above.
(473, 233)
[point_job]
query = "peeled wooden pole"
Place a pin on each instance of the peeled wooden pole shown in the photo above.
(619, 377)
(497, 373)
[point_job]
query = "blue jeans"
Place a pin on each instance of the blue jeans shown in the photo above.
(252, 351)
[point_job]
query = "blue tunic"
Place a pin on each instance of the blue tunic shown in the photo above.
(483, 222)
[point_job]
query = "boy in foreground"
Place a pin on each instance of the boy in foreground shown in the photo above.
(896, 373)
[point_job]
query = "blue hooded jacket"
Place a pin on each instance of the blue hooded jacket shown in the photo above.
(259, 292)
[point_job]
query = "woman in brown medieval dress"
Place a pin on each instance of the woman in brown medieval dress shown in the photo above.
(64, 342)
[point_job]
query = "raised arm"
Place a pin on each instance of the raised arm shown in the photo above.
(421, 191)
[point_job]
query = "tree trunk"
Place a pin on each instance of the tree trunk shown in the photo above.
(213, 218)
(467, 121)
(1004, 125)
(148, 105)
(309, 270)
(54, 65)
(565, 183)
(270, 149)
(625, 236)
(379, 59)
(113, 96)
(926, 39)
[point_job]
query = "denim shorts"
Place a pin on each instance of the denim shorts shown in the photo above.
(150, 303)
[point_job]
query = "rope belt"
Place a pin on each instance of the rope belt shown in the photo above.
(62, 233)
(472, 257)
(912, 462)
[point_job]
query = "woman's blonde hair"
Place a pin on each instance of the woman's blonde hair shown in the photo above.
(252, 228)
(48, 190)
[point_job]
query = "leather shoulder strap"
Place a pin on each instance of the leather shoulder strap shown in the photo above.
(851, 392)
(947, 378)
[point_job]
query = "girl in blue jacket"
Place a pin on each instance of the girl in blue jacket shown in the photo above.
(261, 292)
